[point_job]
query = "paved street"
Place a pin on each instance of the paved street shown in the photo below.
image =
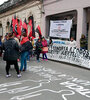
(46, 80)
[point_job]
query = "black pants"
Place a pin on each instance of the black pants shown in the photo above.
(38, 54)
(15, 63)
(0, 51)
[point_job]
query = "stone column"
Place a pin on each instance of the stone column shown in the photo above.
(81, 24)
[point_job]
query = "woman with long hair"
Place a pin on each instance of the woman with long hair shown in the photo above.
(44, 49)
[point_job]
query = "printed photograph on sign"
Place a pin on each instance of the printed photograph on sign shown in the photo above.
(60, 28)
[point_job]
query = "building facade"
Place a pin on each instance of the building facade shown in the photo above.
(77, 10)
(22, 9)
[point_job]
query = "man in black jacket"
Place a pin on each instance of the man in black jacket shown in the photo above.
(11, 54)
(38, 49)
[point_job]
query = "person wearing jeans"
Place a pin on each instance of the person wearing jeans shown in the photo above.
(44, 55)
(25, 47)
(24, 56)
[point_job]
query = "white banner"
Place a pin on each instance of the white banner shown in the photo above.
(61, 52)
(60, 28)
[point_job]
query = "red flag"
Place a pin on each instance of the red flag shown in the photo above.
(38, 30)
(30, 23)
(24, 26)
(19, 28)
(32, 31)
(30, 34)
(16, 27)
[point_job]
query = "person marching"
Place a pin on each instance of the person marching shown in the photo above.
(25, 47)
(11, 54)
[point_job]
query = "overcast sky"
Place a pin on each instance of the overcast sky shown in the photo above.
(2, 1)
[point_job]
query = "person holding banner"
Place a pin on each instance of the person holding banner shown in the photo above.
(44, 49)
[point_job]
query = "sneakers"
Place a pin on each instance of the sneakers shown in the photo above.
(19, 75)
(8, 75)
(46, 59)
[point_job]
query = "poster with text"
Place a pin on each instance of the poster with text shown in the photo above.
(60, 28)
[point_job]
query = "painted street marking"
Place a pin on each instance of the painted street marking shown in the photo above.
(53, 83)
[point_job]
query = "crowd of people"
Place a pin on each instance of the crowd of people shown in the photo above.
(20, 49)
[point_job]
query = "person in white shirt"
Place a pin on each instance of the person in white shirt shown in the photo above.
(72, 42)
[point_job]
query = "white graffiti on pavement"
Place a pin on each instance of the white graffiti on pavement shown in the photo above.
(71, 85)
(29, 95)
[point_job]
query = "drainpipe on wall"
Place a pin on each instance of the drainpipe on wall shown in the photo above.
(42, 7)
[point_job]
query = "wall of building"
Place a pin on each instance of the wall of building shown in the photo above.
(22, 12)
(52, 7)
